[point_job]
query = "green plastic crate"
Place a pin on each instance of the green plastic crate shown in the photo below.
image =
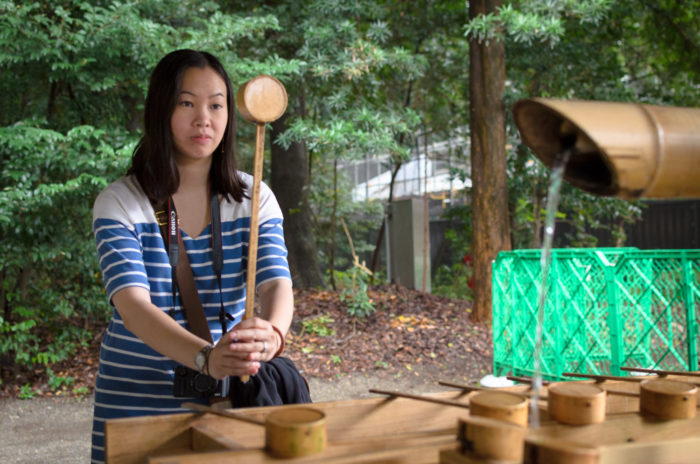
(606, 308)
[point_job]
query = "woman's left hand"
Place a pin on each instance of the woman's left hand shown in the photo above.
(255, 340)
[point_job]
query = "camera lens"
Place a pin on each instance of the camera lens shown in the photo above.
(203, 383)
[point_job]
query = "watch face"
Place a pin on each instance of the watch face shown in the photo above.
(199, 361)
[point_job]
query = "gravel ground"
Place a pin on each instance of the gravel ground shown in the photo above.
(57, 430)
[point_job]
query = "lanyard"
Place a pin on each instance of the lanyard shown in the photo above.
(216, 247)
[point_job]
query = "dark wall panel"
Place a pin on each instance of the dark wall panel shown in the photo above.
(667, 224)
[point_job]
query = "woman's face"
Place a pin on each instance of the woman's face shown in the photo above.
(199, 120)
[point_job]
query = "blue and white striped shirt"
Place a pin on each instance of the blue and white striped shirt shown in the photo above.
(133, 379)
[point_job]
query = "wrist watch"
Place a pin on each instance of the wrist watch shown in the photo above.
(200, 359)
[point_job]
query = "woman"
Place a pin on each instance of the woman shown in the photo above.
(183, 164)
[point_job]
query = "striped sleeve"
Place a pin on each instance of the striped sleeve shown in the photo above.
(120, 256)
(272, 253)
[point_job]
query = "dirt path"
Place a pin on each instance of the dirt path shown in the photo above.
(57, 430)
(45, 430)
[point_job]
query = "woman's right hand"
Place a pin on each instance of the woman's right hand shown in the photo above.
(225, 360)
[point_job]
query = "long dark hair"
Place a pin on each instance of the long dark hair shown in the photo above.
(153, 161)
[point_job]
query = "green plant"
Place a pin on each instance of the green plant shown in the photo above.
(81, 391)
(319, 325)
(52, 165)
(335, 359)
(308, 349)
(358, 302)
(354, 283)
(50, 292)
(454, 281)
(26, 392)
(57, 382)
(381, 364)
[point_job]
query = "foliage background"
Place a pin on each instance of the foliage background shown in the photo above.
(365, 76)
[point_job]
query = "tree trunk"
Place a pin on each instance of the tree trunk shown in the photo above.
(288, 180)
(488, 157)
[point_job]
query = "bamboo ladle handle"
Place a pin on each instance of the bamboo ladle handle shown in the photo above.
(602, 378)
(221, 412)
(427, 399)
(660, 373)
(466, 388)
(261, 100)
(574, 374)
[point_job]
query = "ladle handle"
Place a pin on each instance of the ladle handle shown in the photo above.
(528, 380)
(221, 412)
(419, 398)
(602, 378)
(466, 388)
(251, 270)
(659, 372)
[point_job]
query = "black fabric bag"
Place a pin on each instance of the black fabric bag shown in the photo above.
(277, 382)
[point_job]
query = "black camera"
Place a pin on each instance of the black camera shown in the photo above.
(189, 383)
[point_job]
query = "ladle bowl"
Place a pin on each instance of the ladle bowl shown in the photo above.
(505, 406)
(576, 403)
(295, 432)
(667, 399)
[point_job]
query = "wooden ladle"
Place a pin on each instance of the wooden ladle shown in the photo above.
(668, 399)
(289, 432)
(261, 100)
(576, 403)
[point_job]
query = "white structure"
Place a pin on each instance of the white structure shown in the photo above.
(427, 171)
(430, 170)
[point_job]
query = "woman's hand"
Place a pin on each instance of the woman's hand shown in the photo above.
(240, 351)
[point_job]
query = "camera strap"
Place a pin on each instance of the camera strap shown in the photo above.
(182, 276)
(184, 281)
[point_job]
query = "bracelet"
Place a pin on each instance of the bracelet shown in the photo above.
(281, 348)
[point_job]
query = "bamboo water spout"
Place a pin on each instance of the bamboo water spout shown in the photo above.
(627, 150)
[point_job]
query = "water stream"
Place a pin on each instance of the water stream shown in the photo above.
(553, 195)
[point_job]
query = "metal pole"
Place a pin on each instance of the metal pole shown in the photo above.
(387, 215)
(426, 218)
(367, 176)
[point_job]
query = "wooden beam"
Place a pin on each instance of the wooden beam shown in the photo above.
(205, 438)
(621, 428)
(673, 451)
(131, 440)
(407, 449)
